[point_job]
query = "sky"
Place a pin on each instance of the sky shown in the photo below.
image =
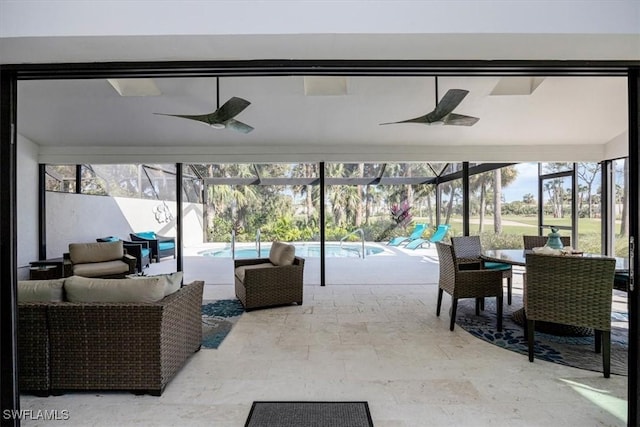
(526, 182)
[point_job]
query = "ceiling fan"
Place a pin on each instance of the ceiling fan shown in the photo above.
(443, 112)
(222, 117)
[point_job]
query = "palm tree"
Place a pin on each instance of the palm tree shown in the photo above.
(306, 170)
(373, 194)
(480, 182)
(230, 199)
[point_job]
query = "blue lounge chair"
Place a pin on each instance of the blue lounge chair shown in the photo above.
(415, 234)
(437, 236)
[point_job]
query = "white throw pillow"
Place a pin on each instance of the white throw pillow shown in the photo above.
(282, 253)
(88, 289)
(82, 253)
(172, 281)
(40, 290)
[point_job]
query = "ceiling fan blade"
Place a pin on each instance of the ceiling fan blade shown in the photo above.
(238, 126)
(454, 119)
(204, 118)
(421, 119)
(443, 113)
(229, 109)
(447, 104)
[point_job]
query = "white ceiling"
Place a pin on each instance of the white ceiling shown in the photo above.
(90, 113)
(565, 118)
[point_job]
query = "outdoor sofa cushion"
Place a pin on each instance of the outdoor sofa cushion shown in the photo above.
(282, 253)
(99, 269)
(172, 281)
(41, 290)
(86, 289)
(241, 271)
(83, 253)
(166, 245)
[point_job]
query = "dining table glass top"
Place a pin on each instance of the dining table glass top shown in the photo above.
(518, 257)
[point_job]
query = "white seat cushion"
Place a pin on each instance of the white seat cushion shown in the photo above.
(97, 269)
(240, 271)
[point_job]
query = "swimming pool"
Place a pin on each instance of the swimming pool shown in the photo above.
(305, 250)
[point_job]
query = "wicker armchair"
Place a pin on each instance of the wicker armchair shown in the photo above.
(138, 249)
(531, 242)
(571, 290)
(467, 251)
(161, 246)
(100, 259)
(266, 282)
(466, 284)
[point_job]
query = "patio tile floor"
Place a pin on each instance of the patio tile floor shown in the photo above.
(379, 343)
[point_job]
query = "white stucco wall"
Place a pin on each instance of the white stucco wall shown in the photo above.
(26, 203)
(82, 218)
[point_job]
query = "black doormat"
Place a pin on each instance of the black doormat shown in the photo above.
(309, 414)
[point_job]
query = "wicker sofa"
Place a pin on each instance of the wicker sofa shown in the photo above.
(137, 347)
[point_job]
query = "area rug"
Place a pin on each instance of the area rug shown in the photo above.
(309, 414)
(218, 317)
(567, 350)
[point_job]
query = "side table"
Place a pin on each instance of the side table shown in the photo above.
(46, 269)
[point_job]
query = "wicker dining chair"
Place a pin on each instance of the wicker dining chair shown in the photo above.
(531, 242)
(467, 251)
(466, 284)
(571, 290)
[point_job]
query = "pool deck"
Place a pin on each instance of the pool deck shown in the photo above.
(396, 265)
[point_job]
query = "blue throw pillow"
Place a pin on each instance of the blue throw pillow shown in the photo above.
(110, 239)
(145, 252)
(147, 235)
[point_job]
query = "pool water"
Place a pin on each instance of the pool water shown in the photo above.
(305, 250)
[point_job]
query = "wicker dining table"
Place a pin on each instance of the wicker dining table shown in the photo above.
(518, 257)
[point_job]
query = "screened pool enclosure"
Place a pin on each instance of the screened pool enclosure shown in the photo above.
(338, 212)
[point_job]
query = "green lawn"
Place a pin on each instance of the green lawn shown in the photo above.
(513, 227)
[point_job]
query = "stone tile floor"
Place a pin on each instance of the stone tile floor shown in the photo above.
(379, 343)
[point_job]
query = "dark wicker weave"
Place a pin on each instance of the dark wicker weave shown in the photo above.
(265, 287)
(33, 347)
(466, 284)
(571, 290)
(531, 242)
(123, 346)
(467, 251)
